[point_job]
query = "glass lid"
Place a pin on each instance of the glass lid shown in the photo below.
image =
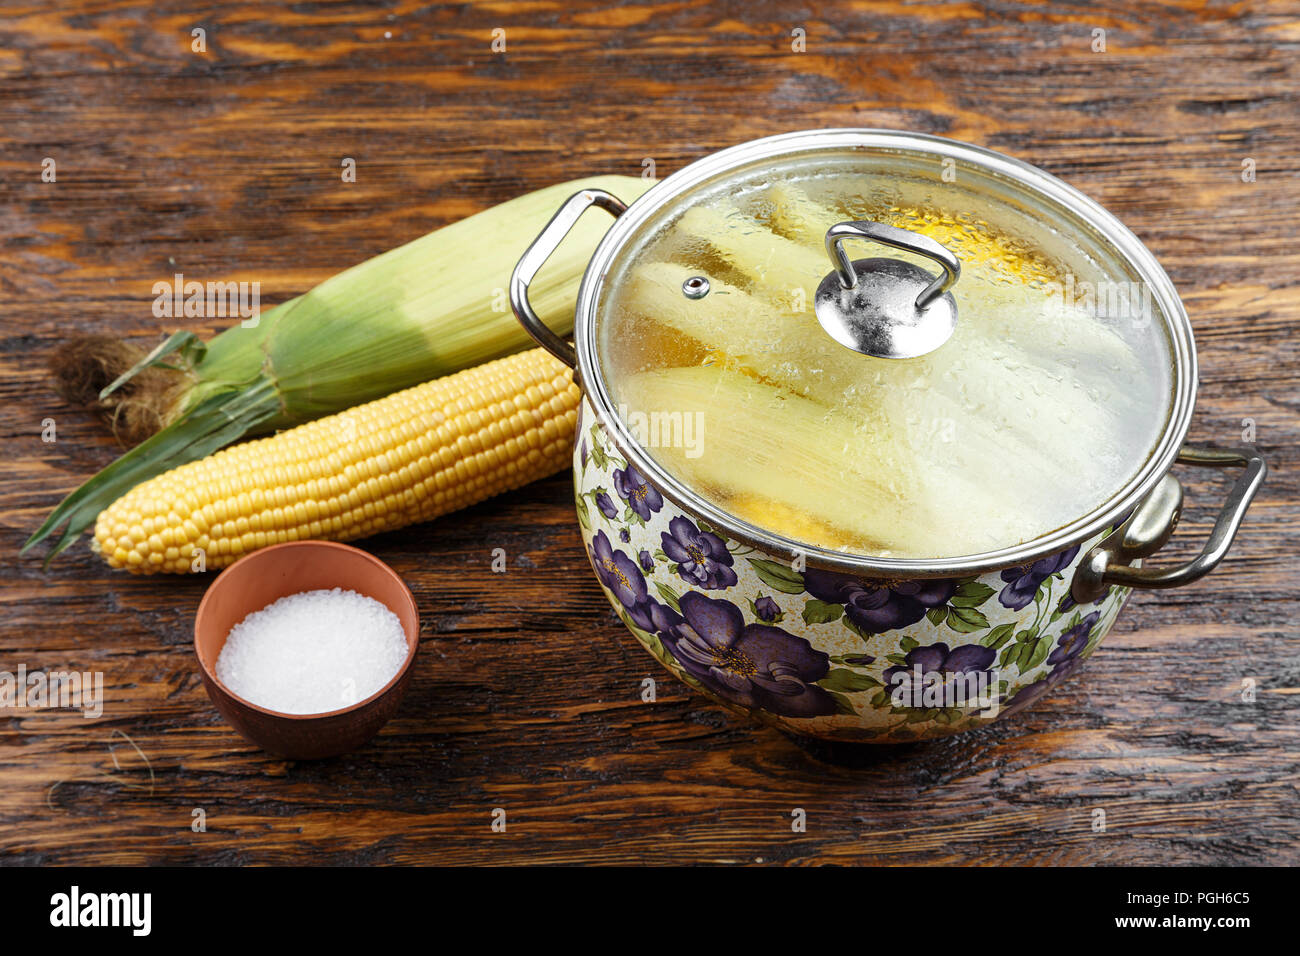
(960, 367)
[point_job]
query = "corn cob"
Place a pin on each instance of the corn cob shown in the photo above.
(429, 308)
(409, 457)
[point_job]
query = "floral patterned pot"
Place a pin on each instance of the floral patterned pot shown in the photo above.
(836, 646)
(816, 651)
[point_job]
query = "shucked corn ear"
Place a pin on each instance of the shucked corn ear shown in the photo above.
(412, 456)
(426, 309)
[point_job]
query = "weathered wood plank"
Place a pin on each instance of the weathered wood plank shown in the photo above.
(526, 697)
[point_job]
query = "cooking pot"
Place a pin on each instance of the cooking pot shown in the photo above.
(924, 495)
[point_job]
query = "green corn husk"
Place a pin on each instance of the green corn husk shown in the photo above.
(426, 309)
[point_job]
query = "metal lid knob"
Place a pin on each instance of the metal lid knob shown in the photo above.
(887, 307)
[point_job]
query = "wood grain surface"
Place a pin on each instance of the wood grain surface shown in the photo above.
(225, 164)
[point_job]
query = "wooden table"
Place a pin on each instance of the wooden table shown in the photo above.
(527, 694)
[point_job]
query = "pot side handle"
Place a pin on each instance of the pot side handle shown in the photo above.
(537, 254)
(1153, 522)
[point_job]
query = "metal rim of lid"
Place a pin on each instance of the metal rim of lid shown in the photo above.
(1027, 179)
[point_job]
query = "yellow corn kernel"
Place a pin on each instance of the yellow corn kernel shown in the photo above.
(409, 457)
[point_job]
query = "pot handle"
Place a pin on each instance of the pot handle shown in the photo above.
(536, 254)
(1153, 522)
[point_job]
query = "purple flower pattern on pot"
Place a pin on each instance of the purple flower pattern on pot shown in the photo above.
(702, 557)
(767, 608)
(754, 665)
(618, 572)
(964, 659)
(1023, 582)
(1065, 656)
(879, 606)
(1071, 643)
(1068, 601)
(641, 497)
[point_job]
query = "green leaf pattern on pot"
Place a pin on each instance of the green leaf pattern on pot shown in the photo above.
(817, 652)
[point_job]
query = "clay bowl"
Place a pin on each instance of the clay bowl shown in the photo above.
(264, 576)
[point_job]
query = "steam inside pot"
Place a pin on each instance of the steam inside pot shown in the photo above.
(1049, 396)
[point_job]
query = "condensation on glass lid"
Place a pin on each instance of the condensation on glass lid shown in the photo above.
(1038, 409)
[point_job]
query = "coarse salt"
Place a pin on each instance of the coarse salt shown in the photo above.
(313, 652)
